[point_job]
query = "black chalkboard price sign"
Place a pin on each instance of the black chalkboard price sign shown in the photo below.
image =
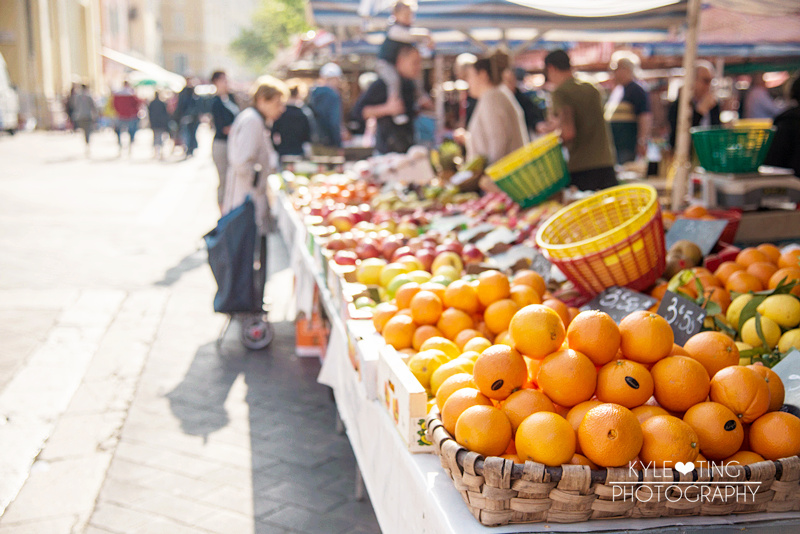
(684, 316)
(619, 302)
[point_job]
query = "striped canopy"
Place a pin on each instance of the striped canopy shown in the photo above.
(646, 17)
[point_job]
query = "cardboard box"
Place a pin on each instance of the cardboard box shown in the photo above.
(365, 346)
(405, 399)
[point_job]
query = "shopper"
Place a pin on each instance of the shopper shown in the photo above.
(578, 113)
(326, 103)
(705, 108)
(84, 113)
(399, 32)
(251, 156)
(528, 101)
(291, 133)
(187, 116)
(785, 149)
(497, 126)
(126, 105)
(159, 123)
(628, 110)
(223, 111)
(374, 103)
(758, 104)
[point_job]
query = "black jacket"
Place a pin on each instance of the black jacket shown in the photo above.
(222, 115)
(785, 149)
(696, 118)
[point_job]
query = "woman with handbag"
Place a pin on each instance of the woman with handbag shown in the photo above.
(251, 156)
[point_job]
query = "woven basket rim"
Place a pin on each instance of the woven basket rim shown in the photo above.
(597, 475)
(580, 203)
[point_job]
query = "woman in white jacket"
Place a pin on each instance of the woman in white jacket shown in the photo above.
(250, 148)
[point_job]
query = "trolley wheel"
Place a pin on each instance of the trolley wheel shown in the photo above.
(256, 332)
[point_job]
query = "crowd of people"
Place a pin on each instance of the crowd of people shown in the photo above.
(599, 130)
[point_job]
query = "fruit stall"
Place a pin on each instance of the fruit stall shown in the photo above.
(511, 363)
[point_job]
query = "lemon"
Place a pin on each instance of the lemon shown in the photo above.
(742, 346)
(446, 370)
(770, 329)
(783, 309)
(423, 364)
(736, 307)
(789, 340)
(443, 344)
(390, 271)
(477, 344)
(368, 271)
(470, 355)
(420, 277)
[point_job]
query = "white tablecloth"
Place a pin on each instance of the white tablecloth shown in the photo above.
(410, 492)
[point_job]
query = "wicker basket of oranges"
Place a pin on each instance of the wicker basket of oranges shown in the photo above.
(600, 420)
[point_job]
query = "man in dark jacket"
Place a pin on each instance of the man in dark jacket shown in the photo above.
(291, 133)
(187, 115)
(785, 148)
(159, 122)
(375, 103)
(705, 108)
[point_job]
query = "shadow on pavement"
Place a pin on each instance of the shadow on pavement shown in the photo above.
(303, 471)
(188, 263)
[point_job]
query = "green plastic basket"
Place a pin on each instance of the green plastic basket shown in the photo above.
(731, 150)
(537, 179)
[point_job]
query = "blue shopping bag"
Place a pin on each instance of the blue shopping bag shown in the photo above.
(231, 251)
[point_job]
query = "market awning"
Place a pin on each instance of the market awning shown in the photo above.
(647, 18)
(147, 72)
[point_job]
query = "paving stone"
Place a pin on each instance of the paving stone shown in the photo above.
(225, 522)
(98, 396)
(53, 525)
(67, 486)
(233, 498)
(316, 500)
(303, 520)
(82, 435)
(165, 460)
(185, 511)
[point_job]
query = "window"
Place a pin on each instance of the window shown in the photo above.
(181, 63)
(179, 23)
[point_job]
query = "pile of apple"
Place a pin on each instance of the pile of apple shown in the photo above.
(390, 242)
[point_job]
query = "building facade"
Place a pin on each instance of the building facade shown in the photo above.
(48, 45)
(198, 33)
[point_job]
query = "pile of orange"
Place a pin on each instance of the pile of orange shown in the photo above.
(479, 308)
(604, 395)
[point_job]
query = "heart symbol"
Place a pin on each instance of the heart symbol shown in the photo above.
(684, 468)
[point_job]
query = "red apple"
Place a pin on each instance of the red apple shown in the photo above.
(426, 257)
(345, 257)
(389, 248)
(453, 246)
(472, 254)
(367, 249)
(400, 252)
(337, 243)
(342, 220)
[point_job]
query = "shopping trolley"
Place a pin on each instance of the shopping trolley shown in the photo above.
(237, 254)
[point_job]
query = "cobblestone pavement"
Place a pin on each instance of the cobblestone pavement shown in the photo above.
(117, 412)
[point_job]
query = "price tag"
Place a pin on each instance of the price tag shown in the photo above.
(542, 265)
(684, 316)
(789, 371)
(619, 302)
(448, 224)
(704, 234)
(471, 235)
(501, 235)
